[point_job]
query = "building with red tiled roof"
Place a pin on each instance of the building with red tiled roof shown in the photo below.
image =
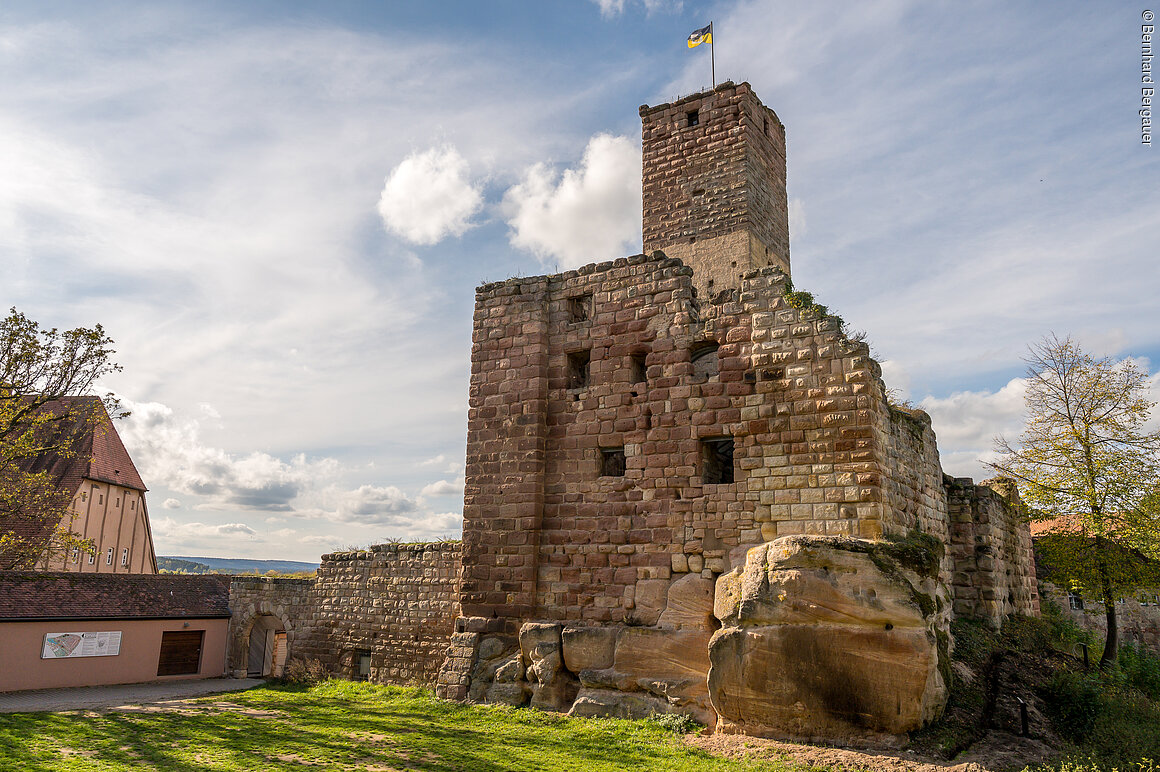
(61, 629)
(108, 495)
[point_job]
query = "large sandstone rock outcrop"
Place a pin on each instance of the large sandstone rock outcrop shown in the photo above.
(831, 639)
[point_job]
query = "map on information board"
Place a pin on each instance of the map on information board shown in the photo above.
(64, 645)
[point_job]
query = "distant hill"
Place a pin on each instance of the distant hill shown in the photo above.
(196, 565)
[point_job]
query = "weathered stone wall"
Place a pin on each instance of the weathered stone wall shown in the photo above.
(397, 601)
(548, 535)
(715, 191)
(639, 428)
(1138, 616)
(990, 544)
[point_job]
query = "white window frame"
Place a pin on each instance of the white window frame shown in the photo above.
(109, 556)
(125, 556)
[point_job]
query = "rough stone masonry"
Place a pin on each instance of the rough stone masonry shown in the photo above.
(687, 491)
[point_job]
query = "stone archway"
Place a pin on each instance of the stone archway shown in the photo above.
(266, 647)
(259, 641)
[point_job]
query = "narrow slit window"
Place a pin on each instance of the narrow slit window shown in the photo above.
(109, 557)
(612, 462)
(717, 461)
(92, 558)
(639, 368)
(578, 366)
(125, 557)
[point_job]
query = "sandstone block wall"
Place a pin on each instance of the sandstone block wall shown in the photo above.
(549, 533)
(396, 601)
(990, 545)
(715, 190)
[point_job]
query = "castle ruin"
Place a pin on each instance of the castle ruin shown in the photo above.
(686, 491)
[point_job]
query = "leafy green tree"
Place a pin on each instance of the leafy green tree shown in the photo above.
(41, 374)
(1088, 461)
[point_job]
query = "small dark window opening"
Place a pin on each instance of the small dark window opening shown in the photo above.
(579, 308)
(612, 462)
(717, 461)
(639, 369)
(694, 117)
(362, 661)
(704, 359)
(1075, 601)
(578, 362)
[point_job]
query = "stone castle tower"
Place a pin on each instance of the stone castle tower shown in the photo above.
(714, 182)
(683, 481)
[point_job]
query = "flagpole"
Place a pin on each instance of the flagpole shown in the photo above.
(713, 53)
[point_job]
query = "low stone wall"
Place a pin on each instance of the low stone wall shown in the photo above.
(397, 602)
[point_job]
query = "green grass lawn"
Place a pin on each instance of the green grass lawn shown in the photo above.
(341, 725)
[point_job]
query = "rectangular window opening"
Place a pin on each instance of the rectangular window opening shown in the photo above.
(76, 554)
(612, 462)
(580, 308)
(639, 369)
(578, 366)
(109, 557)
(125, 557)
(694, 117)
(717, 461)
(363, 661)
(1075, 601)
(92, 558)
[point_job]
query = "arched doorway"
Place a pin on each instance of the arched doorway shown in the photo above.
(266, 648)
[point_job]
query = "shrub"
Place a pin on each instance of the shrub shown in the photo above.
(305, 672)
(1074, 701)
(678, 723)
(1141, 670)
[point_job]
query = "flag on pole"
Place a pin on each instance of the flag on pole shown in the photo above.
(703, 35)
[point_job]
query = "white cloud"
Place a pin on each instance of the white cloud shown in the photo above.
(967, 423)
(168, 450)
(611, 8)
(175, 530)
(587, 215)
(171, 504)
(371, 505)
(797, 219)
(443, 488)
(428, 196)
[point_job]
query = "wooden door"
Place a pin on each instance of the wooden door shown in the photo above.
(256, 662)
(180, 652)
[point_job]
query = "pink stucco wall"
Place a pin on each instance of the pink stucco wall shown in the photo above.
(21, 644)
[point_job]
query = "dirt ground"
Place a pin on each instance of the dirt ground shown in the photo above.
(997, 752)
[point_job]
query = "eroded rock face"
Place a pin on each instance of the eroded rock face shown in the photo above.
(553, 686)
(689, 605)
(829, 639)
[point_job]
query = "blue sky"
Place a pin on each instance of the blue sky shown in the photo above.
(280, 211)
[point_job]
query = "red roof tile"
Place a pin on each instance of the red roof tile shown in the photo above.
(26, 595)
(97, 452)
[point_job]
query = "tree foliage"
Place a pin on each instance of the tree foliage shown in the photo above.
(39, 370)
(1088, 461)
